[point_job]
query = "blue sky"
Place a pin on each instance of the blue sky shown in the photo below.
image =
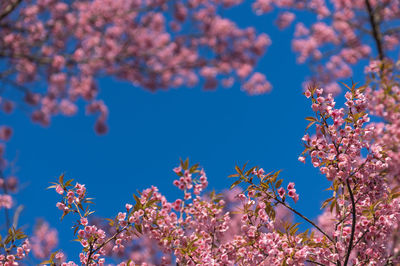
(149, 132)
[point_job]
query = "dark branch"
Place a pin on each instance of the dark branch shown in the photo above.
(305, 218)
(353, 223)
(376, 34)
(9, 8)
(314, 262)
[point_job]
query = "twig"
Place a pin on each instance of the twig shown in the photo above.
(375, 30)
(9, 8)
(353, 223)
(317, 263)
(305, 218)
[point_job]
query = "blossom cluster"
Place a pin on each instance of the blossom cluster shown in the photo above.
(13, 248)
(342, 34)
(152, 44)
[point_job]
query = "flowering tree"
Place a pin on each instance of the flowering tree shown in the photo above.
(59, 48)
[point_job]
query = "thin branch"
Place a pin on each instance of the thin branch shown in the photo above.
(314, 262)
(93, 251)
(9, 8)
(395, 30)
(361, 238)
(305, 218)
(376, 34)
(353, 223)
(389, 261)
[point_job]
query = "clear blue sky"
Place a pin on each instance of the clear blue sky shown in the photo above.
(149, 132)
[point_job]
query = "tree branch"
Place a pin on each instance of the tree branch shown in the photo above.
(353, 223)
(305, 218)
(376, 34)
(9, 8)
(314, 262)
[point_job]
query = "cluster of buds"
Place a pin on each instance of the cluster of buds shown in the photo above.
(292, 192)
(73, 197)
(92, 240)
(15, 253)
(187, 181)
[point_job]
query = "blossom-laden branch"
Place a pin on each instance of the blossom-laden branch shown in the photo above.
(93, 239)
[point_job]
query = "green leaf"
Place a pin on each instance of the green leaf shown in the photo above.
(8, 239)
(395, 195)
(244, 167)
(76, 230)
(68, 182)
(138, 228)
(21, 236)
(346, 86)
(185, 164)
(137, 200)
(293, 230)
(275, 176)
(237, 182)
(61, 179)
(309, 125)
(111, 222)
(265, 186)
(52, 255)
(311, 118)
(248, 172)
(326, 202)
(237, 168)
(348, 120)
(333, 205)
(278, 183)
(193, 168)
